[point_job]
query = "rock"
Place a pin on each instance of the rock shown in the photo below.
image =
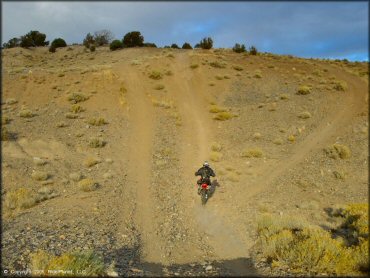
(209, 268)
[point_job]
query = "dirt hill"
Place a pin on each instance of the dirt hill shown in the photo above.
(100, 148)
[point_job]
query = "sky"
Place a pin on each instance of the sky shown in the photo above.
(334, 30)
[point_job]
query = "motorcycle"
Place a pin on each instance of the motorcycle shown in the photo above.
(204, 190)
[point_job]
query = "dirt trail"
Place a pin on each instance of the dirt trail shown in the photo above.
(197, 137)
(324, 134)
(139, 172)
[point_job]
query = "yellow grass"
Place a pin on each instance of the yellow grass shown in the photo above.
(256, 152)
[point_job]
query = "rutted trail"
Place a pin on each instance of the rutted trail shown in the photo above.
(139, 173)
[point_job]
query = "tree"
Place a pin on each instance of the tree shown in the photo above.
(150, 44)
(59, 42)
(103, 37)
(14, 42)
(116, 44)
(174, 45)
(186, 46)
(33, 38)
(52, 48)
(133, 39)
(253, 50)
(206, 43)
(197, 45)
(88, 40)
(239, 48)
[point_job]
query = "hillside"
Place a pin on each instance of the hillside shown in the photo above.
(102, 148)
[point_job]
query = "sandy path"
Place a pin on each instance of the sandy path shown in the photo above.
(139, 172)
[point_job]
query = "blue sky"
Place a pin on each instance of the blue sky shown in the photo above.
(305, 29)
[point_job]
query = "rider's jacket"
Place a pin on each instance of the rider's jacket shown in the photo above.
(205, 172)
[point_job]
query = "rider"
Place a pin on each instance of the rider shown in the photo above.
(205, 172)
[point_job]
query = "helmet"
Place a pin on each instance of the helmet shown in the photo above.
(206, 164)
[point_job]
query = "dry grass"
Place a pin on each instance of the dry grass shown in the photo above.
(338, 151)
(216, 146)
(26, 113)
(97, 121)
(304, 115)
(238, 68)
(257, 74)
(21, 198)
(76, 108)
(167, 104)
(78, 263)
(40, 175)
(224, 116)
(159, 87)
(216, 109)
(215, 156)
(303, 90)
(232, 176)
(217, 64)
(61, 124)
(291, 244)
(91, 161)
(96, 143)
(219, 77)
(87, 185)
(340, 86)
(257, 135)
(71, 116)
(5, 134)
(256, 152)
(291, 138)
(11, 101)
(194, 66)
(5, 120)
(75, 176)
(277, 141)
(39, 161)
(156, 75)
(77, 97)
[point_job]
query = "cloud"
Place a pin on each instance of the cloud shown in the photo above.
(308, 29)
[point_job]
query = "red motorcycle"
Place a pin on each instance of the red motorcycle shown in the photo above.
(204, 188)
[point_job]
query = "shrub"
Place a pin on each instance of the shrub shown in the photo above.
(91, 161)
(26, 113)
(223, 116)
(88, 40)
(308, 250)
(253, 50)
(5, 134)
(11, 101)
(232, 176)
(186, 46)
(87, 185)
(133, 39)
(284, 96)
(174, 45)
(277, 141)
(218, 65)
(71, 116)
(239, 48)
(21, 198)
(257, 135)
(215, 156)
(252, 153)
(150, 44)
(216, 109)
(206, 43)
(304, 90)
(291, 138)
(75, 108)
(96, 143)
(76, 263)
(258, 74)
(216, 147)
(33, 38)
(77, 97)
(338, 151)
(5, 120)
(238, 68)
(194, 66)
(97, 121)
(39, 161)
(116, 44)
(156, 75)
(14, 42)
(75, 176)
(92, 47)
(340, 86)
(304, 115)
(159, 87)
(102, 37)
(52, 49)
(59, 42)
(40, 175)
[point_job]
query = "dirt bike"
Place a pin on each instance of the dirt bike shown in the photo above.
(204, 190)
